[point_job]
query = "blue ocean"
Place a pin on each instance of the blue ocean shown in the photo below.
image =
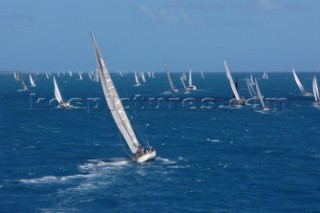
(212, 156)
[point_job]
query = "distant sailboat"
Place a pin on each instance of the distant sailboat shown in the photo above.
(304, 92)
(15, 76)
(315, 90)
(265, 75)
(264, 107)
(70, 73)
(251, 80)
(47, 75)
(191, 86)
(118, 113)
(170, 80)
(80, 76)
(152, 75)
(182, 79)
(202, 75)
(58, 96)
(250, 88)
(136, 78)
(240, 101)
(58, 74)
(143, 77)
(31, 81)
(23, 84)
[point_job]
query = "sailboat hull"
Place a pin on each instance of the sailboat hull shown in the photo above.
(147, 157)
(190, 88)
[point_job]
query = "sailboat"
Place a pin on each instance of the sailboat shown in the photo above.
(143, 77)
(304, 92)
(182, 79)
(139, 153)
(251, 80)
(315, 90)
(31, 81)
(191, 86)
(240, 101)
(70, 73)
(58, 96)
(15, 76)
(80, 76)
(136, 78)
(250, 88)
(264, 107)
(202, 75)
(152, 75)
(170, 80)
(265, 75)
(23, 84)
(47, 75)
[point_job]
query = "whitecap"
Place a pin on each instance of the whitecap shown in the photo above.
(166, 160)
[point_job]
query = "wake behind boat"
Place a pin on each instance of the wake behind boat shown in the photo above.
(139, 154)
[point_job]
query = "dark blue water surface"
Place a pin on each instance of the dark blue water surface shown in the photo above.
(211, 157)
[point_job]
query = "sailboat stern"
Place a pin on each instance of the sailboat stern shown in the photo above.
(145, 156)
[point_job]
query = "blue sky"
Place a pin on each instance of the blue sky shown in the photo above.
(253, 35)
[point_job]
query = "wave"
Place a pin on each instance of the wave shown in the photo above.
(166, 160)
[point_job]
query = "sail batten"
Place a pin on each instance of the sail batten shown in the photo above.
(114, 102)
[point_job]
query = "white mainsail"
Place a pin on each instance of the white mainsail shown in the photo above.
(143, 77)
(47, 75)
(250, 88)
(202, 75)
(169, 79)
(298, 81)
(23, 84)
(31, 81)
(57, 93)
(260, 95)
(265, 75)
(114, 102)
(136, 78)
(315, 89)
(182, 79)
(80, 76)
(251, 79)
(233, 87)
(190, 78)
(70, 73)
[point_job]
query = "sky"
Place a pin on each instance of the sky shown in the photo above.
(252, 35)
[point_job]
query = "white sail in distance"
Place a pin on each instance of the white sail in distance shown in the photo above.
(23, 84)
(315, 89)
(298, 81)
(143, 77)
(31, 81)
(169, 79)
(57, 93)
(260, 95)
(80, 76)
(115, 105)
(233, 87)
(190, 78)
(136, 78)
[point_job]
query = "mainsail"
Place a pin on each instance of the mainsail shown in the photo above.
(233, 87)
(57, 93)
(31, 81)
(315, 89)
(115, 105)
(182, 79)
(298, 81)
(143, 77)
(265, 75)
(80, 76)
(202, 75)
(23, 84)
(169, 79)
(190, 78)
(250, 88)
(136, 78)
(260, 95)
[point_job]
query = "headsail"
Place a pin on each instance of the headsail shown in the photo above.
(233, 87)
(57, 93)
(260, 95)
(114, 102)
(315, 89)
(169, 79)
(31, 81)
(298, 81)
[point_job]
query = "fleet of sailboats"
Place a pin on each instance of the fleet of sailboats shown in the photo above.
(139, 153)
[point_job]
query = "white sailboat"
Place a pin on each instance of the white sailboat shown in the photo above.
(152, 75)
(70, 73)
(58, 96)
(47, 75)
(304, 92)
(170, 80)
(136, 78)
(143, 77)
(80, 76)
(264, 107)
(202, 74)
(23, 84)
(265, 75)
(191, 86)
(15, 76)
(251, 80)
(31, 81)
(182, 79)
(315, 90)
(250, 88)
(139, 153)
(240, 101)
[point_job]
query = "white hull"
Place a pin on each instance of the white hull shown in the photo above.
(190, 88)
(147, 157)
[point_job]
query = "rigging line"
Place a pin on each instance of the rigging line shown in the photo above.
(123, 145)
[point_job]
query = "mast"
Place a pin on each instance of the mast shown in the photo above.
(115, 105)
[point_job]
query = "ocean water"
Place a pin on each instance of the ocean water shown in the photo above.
(212, 157)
